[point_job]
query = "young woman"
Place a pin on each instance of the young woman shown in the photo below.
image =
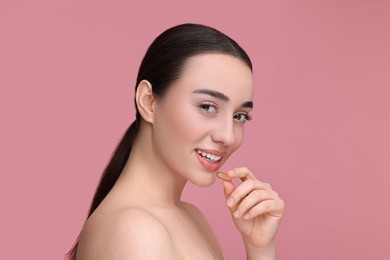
(193, 96)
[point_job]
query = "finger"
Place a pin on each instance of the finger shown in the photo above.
(242, 172)
(272, 207)
(227, 184)
(228, 188)
(247, 187)
(254, 198)
(223, 176)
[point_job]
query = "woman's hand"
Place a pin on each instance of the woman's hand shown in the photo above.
(256, 210)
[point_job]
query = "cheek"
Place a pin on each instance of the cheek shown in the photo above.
(179, 124)
(186, 123)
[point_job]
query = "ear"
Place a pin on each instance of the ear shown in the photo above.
(145, 100)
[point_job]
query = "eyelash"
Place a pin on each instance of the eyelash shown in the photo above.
(246, 117)
(206, 105)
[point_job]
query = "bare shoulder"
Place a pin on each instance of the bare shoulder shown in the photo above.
(128, 234)
(196, 213)
(201, 221)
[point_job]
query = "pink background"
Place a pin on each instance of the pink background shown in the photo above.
(321, 133)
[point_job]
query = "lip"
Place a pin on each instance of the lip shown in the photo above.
(210, 166)
(215, 152)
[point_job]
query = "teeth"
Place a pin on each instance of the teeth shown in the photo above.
(211, 157)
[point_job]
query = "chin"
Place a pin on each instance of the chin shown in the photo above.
(205, 181)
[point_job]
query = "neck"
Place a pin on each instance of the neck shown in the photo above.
(146, 176)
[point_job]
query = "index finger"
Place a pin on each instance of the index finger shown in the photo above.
(242, 172)
(223, 176)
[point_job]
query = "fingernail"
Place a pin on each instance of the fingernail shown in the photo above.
(230, 202)
(223, 176)
(236, 214)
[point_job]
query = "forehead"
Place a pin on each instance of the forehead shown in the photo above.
(220, 72)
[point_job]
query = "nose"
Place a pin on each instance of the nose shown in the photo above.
(224, 133)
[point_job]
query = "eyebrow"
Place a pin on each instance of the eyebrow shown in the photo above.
(212, 93)
(247, 104)
(220, 96)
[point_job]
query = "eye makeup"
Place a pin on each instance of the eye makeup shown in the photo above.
(221, 96)
(246, 117)
(208, 106)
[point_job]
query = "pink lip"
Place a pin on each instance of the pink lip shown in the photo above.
(215, 152)
(210, 166)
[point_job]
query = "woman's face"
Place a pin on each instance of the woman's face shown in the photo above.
(200, 121)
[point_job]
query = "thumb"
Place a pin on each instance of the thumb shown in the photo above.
(228, 188)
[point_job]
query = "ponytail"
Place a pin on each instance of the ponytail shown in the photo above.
(115, 166)
(110, 175)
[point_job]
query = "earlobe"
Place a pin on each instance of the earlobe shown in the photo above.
(145, 100)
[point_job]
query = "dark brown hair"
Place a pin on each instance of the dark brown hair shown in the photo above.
(161, 66)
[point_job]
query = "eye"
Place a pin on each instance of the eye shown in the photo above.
(208, 107)
(242, 117)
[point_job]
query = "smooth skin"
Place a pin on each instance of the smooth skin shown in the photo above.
(256, 211)
(143, 216)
